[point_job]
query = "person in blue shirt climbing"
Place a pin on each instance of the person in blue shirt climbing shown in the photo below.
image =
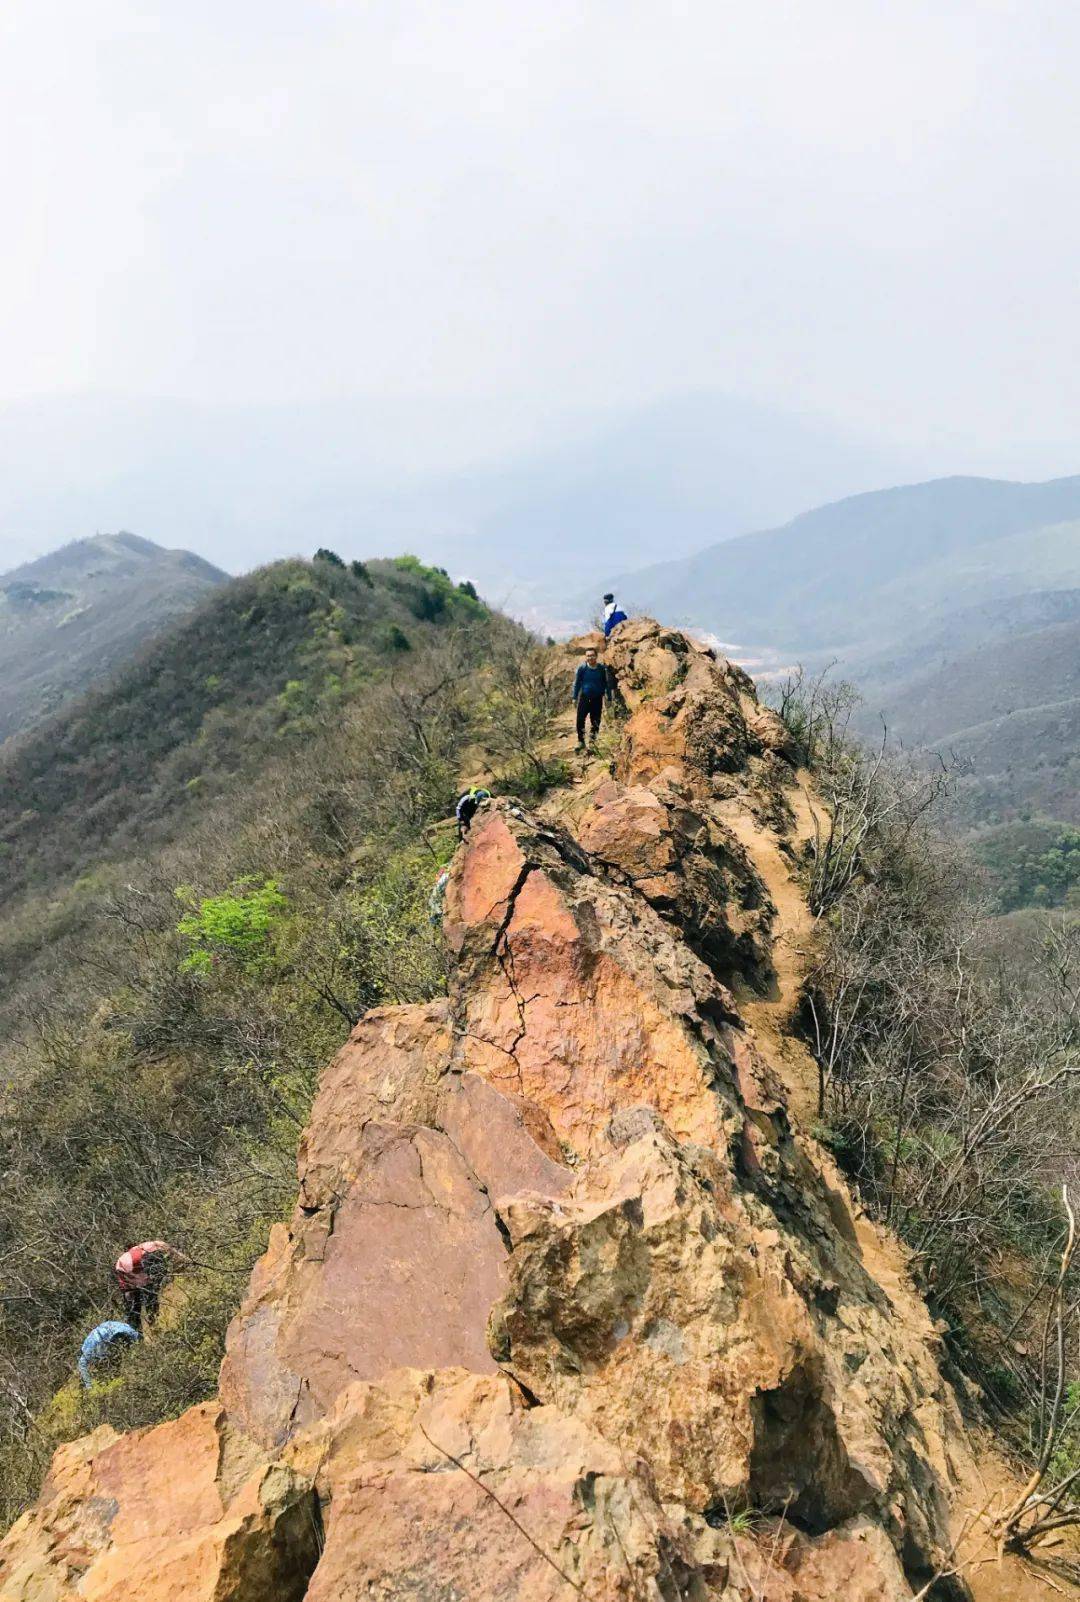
(613, 615)
(592, 687)
(103, 1347)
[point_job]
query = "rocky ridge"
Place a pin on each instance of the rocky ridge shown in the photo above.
(566, 1303)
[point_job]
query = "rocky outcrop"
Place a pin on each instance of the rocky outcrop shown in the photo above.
(188, 1510)
(689, 867)
(564, 1304)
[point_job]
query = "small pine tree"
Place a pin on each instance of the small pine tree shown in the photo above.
(359, 570)
(323, 555)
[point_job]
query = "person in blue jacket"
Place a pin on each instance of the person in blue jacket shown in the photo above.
(103, 1346)
(592, 687)
(613, 615)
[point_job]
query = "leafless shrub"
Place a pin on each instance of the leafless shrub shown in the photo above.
(526, 690)
(945, 1087)
(1050, 1500)
(818, 711)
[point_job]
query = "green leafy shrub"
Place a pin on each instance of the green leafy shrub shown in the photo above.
(1033, 864)
(238, 925)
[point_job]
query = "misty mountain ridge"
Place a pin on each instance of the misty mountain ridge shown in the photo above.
(534, 508)
(873, 566)
(954, 605)
(69, 618)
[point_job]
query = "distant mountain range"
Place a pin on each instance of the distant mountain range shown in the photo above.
(69, 618)
(954, 604)
(874, 567)
(1007, 706)
(538, 510)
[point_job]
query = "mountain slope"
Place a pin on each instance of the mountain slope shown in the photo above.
(919, 651)
(68, 619)
(566, 1301)
(204, 702)
(875, 566)
(185, 737)
(979, 688)
(214, 865)
(1010, 712)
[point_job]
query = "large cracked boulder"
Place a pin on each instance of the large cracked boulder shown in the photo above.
(688, 866)
(400, 1270)
(395, 1254)
(682, 1325)
(572, 993)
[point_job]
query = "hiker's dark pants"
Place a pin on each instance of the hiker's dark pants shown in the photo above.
(591, 707)
(140, 1304)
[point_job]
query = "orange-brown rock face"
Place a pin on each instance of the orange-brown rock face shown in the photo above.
(572, 993)
(188, 1510)
(689, 867)
(561, 1293)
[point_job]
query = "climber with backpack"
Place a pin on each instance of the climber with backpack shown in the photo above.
(592, 687)
(141, 1274)
(465, 810)
(613, 615)
(103, 1348)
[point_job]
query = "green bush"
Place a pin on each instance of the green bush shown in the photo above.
(238, 925)
(1033, 864)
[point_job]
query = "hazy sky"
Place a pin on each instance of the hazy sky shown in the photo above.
(859, 209)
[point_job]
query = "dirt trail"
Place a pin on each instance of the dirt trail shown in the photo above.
(772, 1015)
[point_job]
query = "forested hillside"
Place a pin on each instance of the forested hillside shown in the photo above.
(211, 869)
(70, 618)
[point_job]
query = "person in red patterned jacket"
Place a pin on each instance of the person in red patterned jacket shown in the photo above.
(141, 1273)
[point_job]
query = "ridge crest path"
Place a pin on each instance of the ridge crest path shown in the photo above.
(567, 1286)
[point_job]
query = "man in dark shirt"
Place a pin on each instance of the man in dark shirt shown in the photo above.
(592, 687)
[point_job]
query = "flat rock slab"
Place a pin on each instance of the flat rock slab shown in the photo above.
(401, 1272)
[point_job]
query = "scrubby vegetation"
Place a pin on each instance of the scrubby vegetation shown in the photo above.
(949, 1069)
(1032, 864)
(255, 666)
(216, 865)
